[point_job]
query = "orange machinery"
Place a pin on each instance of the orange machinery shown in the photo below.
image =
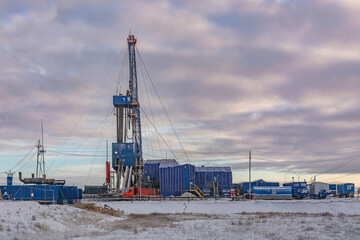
(135, 192)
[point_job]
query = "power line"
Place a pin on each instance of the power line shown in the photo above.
(162, 105)
(160, 135)
(340, 165)
(86, 108)
(74, 154)
(24, 157)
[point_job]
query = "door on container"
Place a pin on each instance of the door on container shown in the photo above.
(185, 178)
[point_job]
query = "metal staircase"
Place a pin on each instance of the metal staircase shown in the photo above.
(197, 190)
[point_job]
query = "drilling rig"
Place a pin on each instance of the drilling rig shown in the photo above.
(127, 158)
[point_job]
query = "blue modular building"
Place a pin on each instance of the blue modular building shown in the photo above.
(152, 169)
(174, 179)
(272, 192)
(299, 189)
(123, 155)
(345, 189)
(208, 178)
(244, 187)
(44, 194)
(333, 189)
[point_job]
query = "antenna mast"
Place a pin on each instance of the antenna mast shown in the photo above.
(40, 161)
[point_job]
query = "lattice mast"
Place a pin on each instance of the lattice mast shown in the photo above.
(127, 158)
(135, 110)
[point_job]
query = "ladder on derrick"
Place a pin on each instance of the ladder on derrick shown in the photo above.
(197, 190)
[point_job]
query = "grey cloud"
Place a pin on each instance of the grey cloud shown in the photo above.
(54, 56)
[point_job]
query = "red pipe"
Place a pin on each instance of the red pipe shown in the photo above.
(107, 172)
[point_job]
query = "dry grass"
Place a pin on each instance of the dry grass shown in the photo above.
(41, 226)
(326, 214)
(98, 209)
(154, 220)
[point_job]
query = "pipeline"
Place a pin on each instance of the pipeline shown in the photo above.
(42, 180)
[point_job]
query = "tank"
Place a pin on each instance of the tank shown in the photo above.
(244, 187)
(273, 193)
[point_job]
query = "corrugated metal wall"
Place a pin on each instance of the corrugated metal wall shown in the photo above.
(42, 193)
(174, 180)
(204, 177)
(345, 189)
(151, 169)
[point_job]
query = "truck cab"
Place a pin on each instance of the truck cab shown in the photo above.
(130, 192)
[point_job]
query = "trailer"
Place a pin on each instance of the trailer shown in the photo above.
(272, 193)
(346, 190)
(322, 194)
(299, 189)
(317, 187)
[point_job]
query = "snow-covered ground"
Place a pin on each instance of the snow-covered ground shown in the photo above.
(315, 219)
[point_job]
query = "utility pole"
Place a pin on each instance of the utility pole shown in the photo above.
(249, 173)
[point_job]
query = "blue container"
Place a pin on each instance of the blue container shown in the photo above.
(151, 169)
(69, 194)
(9, 180)
(123, 154)
(244, 187)
(44, 194)
(187, 176)
(62, 195)
(345, 189)
(119, 101)
(207, 177)
(80, 194)
(273, 193)
(299, 189)
(332, 188)
(174, 180)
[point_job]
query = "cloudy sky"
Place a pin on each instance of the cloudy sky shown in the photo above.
(279, 78)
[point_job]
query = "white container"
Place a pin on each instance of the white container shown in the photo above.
(316, 187)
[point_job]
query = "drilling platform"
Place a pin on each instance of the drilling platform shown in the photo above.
(127, 157)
